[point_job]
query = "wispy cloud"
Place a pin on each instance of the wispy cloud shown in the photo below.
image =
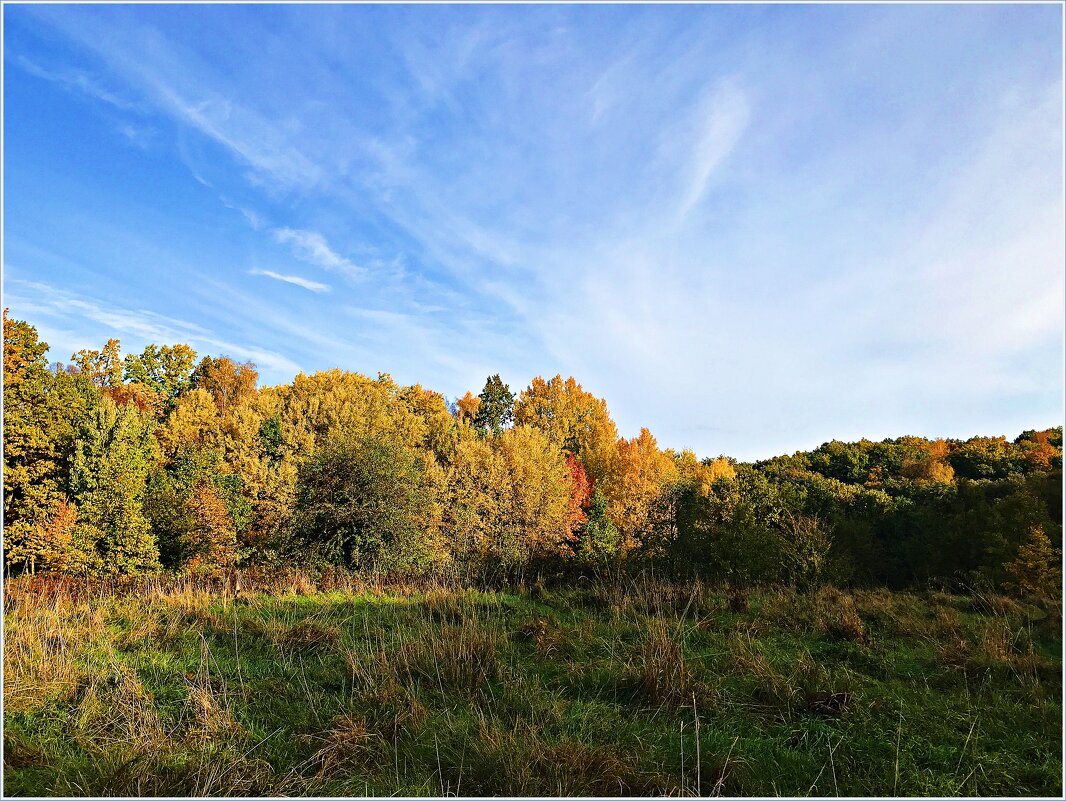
(790, 235)
(313, 286)
(313, 248)
(138, 135)
(142, 326)
(80, 81)
(720, 120)
(254, 219)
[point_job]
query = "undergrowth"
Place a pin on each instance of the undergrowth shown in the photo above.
(338, 687)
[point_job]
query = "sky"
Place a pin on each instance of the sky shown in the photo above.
(752, 229)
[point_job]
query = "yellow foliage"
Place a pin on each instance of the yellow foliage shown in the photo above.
(637, 476)
(573, 419)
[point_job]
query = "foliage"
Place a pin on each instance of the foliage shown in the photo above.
(210, 542)
(1036, 572)
(495, 407)
(125, 464)
(365, 504)
(165, 370)
(114, 450)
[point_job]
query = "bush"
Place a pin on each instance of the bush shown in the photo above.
(367, 505)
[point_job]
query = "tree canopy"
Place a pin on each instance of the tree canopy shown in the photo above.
(132, 464)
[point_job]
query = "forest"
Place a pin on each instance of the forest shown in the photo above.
(342, 586)
(126, 465)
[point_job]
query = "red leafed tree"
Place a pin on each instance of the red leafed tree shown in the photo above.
(580, 491)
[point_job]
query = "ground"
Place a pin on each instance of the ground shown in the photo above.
(343, 688)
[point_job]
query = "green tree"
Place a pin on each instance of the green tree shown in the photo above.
(41, 409)
(1036, 571)
(365, 504)
(495, 408)
(599, 540)
(166, 370)
(114, 453)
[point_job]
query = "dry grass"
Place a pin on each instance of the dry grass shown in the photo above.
(306, 634)
(828, 611)
(116, 713)
(520, 763)
(664, 676)
(421, 688)
(346, 743)
(457, 657)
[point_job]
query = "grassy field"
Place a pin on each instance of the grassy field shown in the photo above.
(171, 687)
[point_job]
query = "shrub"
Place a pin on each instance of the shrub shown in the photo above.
(366, 504)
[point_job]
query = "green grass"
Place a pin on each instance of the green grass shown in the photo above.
(649, 688)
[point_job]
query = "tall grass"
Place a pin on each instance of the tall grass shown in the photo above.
(336, 685)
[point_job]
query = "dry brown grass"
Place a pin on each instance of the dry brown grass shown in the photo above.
(520, 762)
(664, 676)
(460, 657)
(306, 634)
(346, 743)
(827, 611)
(45, 663)
(115, 712)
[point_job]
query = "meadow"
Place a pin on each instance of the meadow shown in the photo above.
(335, 685)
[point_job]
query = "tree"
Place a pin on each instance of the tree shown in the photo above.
(575, 420)
(210, 543)
(365, 504)
(508, 501)
(804, 548)
(535, 521)
(41, 410)
(1038, 448)
(1036, 571)
(580, 491)
(226, 381)
(165, 370)
(114, 452)
(599, 540)
(637, 476)
(103, 367)
(495, 406)
(983, 457)
(466, 408)
(30, 454)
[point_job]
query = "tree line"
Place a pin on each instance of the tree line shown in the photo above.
(156, 461)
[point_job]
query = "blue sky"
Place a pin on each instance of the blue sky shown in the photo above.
(750, 228)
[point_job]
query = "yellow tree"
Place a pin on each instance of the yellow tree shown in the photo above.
(211, 543)
(537, 500)
(227, 382)
(103, 367)
(193, 422)
(508, 499)
(636, 479)
(573, 419)
(466, 408)
(472, 500)
(702, 475)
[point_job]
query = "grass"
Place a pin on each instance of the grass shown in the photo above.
(339, 688)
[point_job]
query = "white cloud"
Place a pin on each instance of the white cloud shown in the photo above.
(78, 80)
(313, 286)
(720, 122)
(138, 327)
(312, 247)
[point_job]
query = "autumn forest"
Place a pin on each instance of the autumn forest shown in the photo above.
(343, 586)
(164, 460)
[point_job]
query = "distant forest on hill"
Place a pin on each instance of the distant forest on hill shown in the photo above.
(156, 461)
